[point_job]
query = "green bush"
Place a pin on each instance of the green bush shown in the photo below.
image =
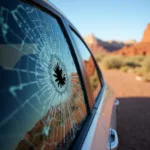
(112, 62)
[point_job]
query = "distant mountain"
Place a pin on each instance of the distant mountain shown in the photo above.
(97, 45)
(141, 48)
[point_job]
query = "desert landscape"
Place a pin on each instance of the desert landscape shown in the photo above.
(134, 110)
(126, 68)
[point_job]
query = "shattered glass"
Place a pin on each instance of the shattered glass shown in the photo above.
(41, 100)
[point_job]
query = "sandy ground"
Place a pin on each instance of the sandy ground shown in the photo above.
(126, 85)
(133, 119)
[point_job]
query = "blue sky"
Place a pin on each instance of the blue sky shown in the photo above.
(108, 19)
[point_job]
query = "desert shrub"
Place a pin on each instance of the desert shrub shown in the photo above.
(139, 58)
(146, 64)
(139, 71)
(124, 68)
(94, 81)
(132, 62)
(99, 57)
(112, 62)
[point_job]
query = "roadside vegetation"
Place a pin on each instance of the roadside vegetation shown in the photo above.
(139, 64)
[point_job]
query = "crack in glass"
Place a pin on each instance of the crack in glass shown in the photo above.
(42, 103)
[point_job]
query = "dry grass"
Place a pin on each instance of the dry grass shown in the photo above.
(112, 62)
(138, 64)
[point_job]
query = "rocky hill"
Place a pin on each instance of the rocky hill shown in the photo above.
(141, 48)
(97, 45)
(128, 48)
(138, 49)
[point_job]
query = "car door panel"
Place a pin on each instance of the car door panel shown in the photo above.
(107, 108)
(103, 105)
(98, 139)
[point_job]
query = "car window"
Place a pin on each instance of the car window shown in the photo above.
(89, 65)
(42, 105)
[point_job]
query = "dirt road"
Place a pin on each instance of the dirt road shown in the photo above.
(133, 120)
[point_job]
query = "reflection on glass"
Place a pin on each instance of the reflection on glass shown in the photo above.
(89, 65)
(42, 104)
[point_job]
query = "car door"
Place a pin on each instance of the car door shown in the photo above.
(43, 98)
(102, 101)
(97, 136)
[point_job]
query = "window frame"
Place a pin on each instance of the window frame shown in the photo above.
(95, 63)
(101, 79)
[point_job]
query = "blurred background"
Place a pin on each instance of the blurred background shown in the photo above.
(118, 34)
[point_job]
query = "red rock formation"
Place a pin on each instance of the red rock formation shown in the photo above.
(146, 36)
(141, 48)
(138, 49)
